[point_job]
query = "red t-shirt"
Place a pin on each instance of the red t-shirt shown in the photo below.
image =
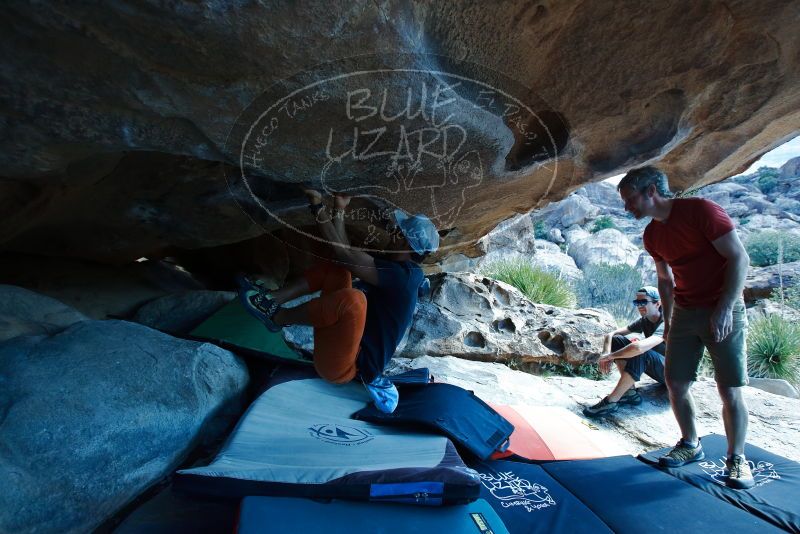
(683, 241)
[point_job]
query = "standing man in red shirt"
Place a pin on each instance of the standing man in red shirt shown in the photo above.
(701, 267)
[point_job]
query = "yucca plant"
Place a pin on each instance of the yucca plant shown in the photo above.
(773, 349)
(536, 284)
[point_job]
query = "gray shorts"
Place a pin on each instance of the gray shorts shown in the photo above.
(690, 333)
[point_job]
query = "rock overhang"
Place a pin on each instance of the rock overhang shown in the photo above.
(121, 147)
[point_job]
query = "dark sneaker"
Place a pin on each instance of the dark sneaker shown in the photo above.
(682, 454)
(249, 283)
(259, 305)
(739, 474)
(631, 397)
(383, 393)
(604, 407)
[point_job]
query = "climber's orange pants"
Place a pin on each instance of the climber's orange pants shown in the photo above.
(338, 317)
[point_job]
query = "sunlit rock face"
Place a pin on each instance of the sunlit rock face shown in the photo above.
(146, 130)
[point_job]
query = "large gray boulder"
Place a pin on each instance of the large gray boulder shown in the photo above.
(24, 312)
(604, 195)
(96, 414)
(548, 256)
(575, 209)
(762, 281)
(180, 313)
(606, 246)
(475, 317)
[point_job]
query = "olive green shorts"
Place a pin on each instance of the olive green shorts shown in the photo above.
(690, 332)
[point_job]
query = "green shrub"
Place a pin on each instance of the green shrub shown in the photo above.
(791, 296)
(767, 179)
(538, 285)
(763, 247)
(586, 370)
(773, 349)
(601, 223)
(611, 287)
(706, 365)
(539, 230)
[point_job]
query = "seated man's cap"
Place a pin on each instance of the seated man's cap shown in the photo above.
(418, 230)
(650, 291)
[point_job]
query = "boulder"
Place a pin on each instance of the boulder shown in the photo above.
(96, 414)
(775, 386)
(647, 268)
(774, 424)
(604, 195)
(555, 236)
(23, 312)
(790, 170)
(99, 291)
(180, 313)
(788, 204)
(726, 193)
(772, 307)
(550, 258)
(455, 263)
(574, 209)
(474, 317)
(575, 233)
(760, 205)
(759, 222)
(761, 281)
(606, 246)
(736, 209)
(514, 236)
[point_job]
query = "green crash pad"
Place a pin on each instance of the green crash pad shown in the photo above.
(231, 327)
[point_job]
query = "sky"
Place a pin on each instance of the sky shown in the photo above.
(774, 158)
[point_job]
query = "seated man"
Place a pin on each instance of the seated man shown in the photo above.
(634, 358)
(355, 332)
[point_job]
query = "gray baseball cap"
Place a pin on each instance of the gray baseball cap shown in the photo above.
(418, 230)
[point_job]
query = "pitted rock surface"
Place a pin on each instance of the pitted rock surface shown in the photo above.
(474, 317)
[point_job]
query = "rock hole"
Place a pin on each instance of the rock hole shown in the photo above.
(505, 325)
(549, 312)
(541, 137)
(475, 339)
(501, 295)
(552, 342)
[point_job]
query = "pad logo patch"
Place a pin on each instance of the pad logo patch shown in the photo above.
(340, 434)
(512, 491)
(763, 472)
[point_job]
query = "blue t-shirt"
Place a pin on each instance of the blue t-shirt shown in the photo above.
(390, 310)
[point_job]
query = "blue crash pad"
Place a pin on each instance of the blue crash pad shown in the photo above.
(633, 497)
(776, 496)
(281, 514)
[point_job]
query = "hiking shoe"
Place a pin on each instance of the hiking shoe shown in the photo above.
(259, 305)
(739, 474)
(631, 397)
(383, 393)
(604, 407)
(682, 454)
